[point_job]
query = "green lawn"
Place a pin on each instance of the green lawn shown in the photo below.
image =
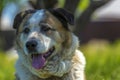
(102, 62)
(6, 67)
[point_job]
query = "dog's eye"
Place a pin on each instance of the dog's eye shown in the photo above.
(46, 28)
(26, 30)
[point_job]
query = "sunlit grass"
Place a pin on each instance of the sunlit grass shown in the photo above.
(6, 67)
(102, 62)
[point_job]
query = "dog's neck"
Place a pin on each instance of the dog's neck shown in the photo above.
(74, 45)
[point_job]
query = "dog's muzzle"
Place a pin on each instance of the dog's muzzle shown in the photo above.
(38, 59)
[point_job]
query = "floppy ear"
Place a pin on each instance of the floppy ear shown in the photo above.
(64, 16)
(20, 16)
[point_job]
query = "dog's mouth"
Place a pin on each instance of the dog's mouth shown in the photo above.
(39, 59)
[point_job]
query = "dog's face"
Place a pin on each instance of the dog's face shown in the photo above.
(42, 35)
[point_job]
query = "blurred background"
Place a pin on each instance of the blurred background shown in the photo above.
(97, 26)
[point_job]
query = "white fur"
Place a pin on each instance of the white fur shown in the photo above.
(37, 17)
(65, 63)
(63, 67)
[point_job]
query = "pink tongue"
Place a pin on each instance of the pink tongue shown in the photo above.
(38, 61)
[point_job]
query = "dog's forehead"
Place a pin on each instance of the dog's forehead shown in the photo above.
(43, 16)
(34, 20)
(37, 16)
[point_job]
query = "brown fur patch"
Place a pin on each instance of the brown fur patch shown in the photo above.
(65, 63)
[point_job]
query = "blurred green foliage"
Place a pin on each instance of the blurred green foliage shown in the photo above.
(61, 3)
(1, 5)
(102, 62)
(83, 5)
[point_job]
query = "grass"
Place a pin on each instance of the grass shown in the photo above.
(6, 67)
(102, 62)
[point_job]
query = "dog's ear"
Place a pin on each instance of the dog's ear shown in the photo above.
(64, 16)
(20, 16)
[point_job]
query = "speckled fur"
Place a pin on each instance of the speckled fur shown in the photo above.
(66, 63)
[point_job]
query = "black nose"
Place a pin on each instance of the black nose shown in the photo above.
(31, 45)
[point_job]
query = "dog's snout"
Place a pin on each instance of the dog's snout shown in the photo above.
(31, 45)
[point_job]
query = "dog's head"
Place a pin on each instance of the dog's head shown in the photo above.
(43, 34)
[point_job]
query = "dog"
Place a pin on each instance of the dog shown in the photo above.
(47, 47)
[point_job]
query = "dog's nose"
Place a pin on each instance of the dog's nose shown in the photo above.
(31, 45)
